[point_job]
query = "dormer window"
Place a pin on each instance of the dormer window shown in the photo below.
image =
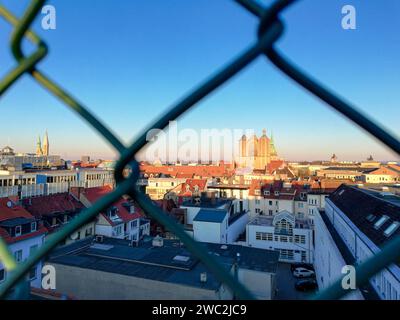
(33, 226)
(113, 212)
(266, 193)
(18, 231)
(257, 192)
(277, 193)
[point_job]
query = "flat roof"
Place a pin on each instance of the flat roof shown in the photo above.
(211, 215)
(267, 221)
(170, 263)
(207, 203)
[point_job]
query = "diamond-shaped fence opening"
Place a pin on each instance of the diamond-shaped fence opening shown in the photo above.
(270, 29)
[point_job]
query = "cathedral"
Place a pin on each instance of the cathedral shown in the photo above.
(43, 150)
(255, 152)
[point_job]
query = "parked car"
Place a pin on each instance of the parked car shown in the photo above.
(294, 266)
(303, 273)
(306, 284)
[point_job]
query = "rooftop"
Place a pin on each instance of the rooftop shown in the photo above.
(211, 215)
(170, 263)
(374, 213)
(268, 221)
(207, 202)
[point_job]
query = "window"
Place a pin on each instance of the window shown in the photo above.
(257, 192)
(266, 192)
(134, 223)
(18, 231)
(33, 226)
(380, 222)
(88, 232)
(2, 275)
(265, 236)
(32, 273)
(300, 239)
(270, 203)
(303, 256)
(371, 217)
(270, 212)
(392, 228)
(257, 210)
(18, 255)
(257, 201)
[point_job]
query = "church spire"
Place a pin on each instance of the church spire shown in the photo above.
(39, 151)
(46, 145)
(272, 146)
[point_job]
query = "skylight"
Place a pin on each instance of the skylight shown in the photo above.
(392, 228)
(380, 222)
(371, 217)
(181, 258)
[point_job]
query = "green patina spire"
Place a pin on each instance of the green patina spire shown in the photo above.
(272, 146)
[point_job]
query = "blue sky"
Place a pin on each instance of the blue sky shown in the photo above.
(127, 61)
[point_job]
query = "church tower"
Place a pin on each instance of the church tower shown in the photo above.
(263, 144)
(272, 149)
(243, 146)
(39, 151)
(46, 145)
(252, 146)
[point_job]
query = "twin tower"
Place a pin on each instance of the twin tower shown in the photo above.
(256, 152)
(43, 150)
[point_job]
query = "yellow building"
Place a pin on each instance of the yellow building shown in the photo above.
(256, 153)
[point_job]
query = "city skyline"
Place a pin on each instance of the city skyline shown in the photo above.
(258, 97)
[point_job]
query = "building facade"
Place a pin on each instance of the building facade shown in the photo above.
(291, 237)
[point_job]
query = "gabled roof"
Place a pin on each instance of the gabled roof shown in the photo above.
(51, 204)
(189, 186)
(13, 212)
(16, 212)
(284, 215)
(94, 194)
(364, 208)
(384, 171)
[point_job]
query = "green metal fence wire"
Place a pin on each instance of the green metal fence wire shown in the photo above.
(269, 31)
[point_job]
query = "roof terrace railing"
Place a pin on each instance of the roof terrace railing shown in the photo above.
(269, 31)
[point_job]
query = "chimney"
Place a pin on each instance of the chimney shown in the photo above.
(203, 277)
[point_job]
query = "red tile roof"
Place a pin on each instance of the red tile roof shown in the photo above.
(189, 186)
(94, 194)
(47, 205)
(16, 211)
(274, 165)
(13, 212)
(205, 171)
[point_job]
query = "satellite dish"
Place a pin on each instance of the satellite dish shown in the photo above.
(9, 204)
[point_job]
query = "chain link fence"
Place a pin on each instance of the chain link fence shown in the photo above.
(269, 31)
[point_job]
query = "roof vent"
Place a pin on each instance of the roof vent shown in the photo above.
(9, 204)
(224, 247)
